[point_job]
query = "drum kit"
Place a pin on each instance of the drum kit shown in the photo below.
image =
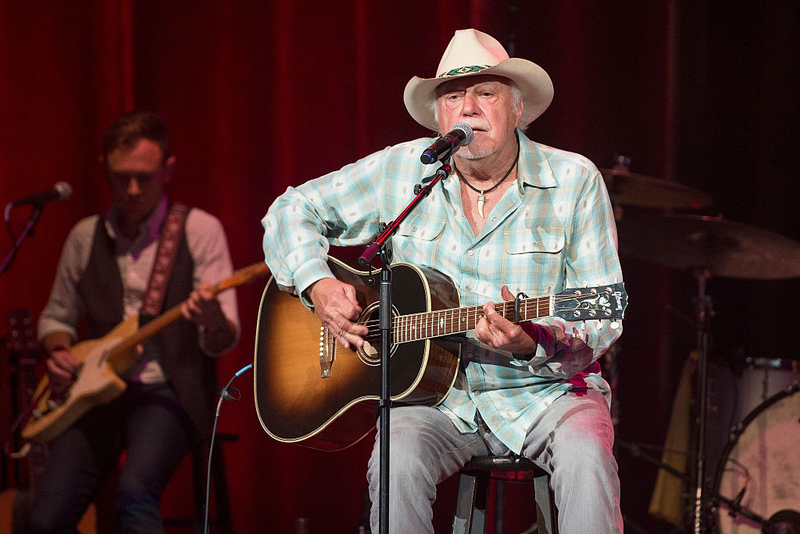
(756, 486)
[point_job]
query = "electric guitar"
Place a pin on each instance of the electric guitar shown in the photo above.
(310, 389)
(101, 361)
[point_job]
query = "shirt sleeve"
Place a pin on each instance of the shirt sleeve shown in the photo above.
(208, 246)
(65, 308)
(341, 208)
(567, 348)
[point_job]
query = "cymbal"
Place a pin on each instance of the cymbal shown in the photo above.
(631, 189)
(725, 248)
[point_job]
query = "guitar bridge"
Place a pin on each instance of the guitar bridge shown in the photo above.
(327, 344)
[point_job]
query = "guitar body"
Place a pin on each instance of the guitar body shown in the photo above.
(101, 361)
(296, 404)
(97, 383)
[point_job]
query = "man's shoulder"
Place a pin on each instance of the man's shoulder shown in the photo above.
(84, 229)
(201, 222)
(562, 163)
(559, 155)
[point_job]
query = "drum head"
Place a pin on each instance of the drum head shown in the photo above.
(764, 460)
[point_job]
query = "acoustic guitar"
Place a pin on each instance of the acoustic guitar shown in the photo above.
(310, 389)
(101, 361)
(16, 503)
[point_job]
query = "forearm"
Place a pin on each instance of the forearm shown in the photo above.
(218, 338)
(56, 340)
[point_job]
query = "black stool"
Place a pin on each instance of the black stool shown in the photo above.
(473, 492)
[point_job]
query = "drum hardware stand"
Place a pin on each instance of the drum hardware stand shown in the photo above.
(703, 310)
(702, 511)
(736, 508)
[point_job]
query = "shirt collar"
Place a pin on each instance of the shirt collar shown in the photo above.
(541, 175)
(149, 229)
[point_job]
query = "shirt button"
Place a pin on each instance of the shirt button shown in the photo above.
(470, 252)
(467, 287)
(413, 228)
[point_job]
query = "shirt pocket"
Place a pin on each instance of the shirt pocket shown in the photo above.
(534, 259)
(417, 237)
(545, 240)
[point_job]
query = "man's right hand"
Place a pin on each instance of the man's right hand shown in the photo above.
(61, 367)
(336, 305)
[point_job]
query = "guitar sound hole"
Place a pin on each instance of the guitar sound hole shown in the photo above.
(370, 352)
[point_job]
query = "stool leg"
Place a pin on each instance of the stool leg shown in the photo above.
(221, 496)
(462, 521)
(545, 507)
(470, 516)
(499, 505)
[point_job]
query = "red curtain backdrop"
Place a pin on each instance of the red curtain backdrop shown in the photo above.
(263, 95)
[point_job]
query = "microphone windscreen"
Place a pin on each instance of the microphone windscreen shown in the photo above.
(468, 133)
(64, 190)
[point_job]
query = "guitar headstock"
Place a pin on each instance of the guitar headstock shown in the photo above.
(601, 302)
(22, 340)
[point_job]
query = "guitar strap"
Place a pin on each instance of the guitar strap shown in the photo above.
(170, 238)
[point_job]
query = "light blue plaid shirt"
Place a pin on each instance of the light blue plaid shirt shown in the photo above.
(554, 230)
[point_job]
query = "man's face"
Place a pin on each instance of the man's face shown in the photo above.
(486, 104)
(136, 178)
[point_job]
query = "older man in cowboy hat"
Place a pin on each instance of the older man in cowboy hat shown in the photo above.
(519, 216)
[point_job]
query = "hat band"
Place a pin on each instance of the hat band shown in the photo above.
(464, 70)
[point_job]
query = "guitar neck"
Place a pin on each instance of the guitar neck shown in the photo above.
(120, 354)
(415, 327)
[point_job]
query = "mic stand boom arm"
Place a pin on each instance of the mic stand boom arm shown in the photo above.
(27, 231)
(385, 319)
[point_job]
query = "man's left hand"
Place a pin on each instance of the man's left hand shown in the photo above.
(203, 308)
(500, 333)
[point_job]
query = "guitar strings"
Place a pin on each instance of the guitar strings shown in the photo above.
(502, 307)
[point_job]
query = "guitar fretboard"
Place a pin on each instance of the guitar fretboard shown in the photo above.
(417, 326)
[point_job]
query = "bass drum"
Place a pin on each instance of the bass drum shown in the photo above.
(761, 462)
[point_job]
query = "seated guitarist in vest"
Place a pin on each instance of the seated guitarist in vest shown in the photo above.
(515, 216)
(103, 277)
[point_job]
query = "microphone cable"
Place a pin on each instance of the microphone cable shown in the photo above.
(233, 396)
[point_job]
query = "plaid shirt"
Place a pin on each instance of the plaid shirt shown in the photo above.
(554, 230)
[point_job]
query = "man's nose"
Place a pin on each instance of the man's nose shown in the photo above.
(133, 187)
(470, 106)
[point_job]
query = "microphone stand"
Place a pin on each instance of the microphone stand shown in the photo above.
(381, 244)
(703, 311)
(27, 231)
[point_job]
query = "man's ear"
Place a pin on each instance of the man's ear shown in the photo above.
(169, 165)
(520, 112)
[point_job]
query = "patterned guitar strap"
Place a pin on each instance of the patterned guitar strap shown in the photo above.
(170, 239)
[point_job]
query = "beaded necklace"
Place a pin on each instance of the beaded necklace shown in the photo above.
(482, 194)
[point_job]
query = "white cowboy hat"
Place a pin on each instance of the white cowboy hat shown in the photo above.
(471, 53)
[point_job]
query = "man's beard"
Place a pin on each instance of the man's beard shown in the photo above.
(473, 152)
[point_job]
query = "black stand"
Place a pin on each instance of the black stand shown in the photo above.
(28, 230)
(734, 504)
(381, 244)
(704, 309)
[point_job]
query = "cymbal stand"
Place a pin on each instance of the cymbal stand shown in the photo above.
(703, 310)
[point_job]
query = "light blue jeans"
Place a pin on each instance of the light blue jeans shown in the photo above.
(572, 440)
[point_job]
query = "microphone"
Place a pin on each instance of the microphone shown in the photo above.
(448, 144)
(60, 191)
